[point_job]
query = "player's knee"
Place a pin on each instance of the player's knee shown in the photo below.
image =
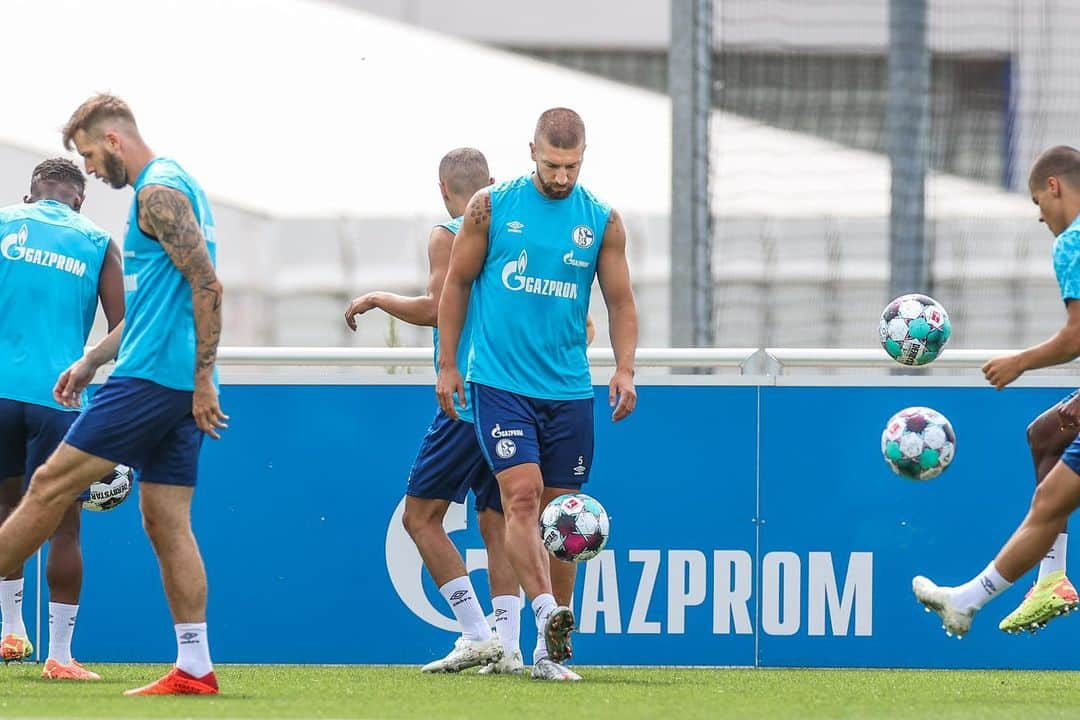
(419, 518)
(1046, 438)
(161, 524)
(412, 522)
(1038, 437)
(49, 486)
(521, 502)
(1048, 505)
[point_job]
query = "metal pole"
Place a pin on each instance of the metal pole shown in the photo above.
(907, 125)
(690, 87)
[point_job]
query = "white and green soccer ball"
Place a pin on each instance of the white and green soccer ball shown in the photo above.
(914, 329)
(109, 491)
(918, 443)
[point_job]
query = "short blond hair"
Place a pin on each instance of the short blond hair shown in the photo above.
(87, 116)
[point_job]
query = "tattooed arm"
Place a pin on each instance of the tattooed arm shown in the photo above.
(466, 260)
(166, 214)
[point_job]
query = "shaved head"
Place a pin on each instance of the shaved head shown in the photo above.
(464, 170)
(1061, 162)
(560, 127)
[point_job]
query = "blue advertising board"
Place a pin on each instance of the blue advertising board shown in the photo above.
(751, 525)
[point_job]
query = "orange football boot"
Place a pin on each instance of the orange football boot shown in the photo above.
(72, 671)
(178, 682)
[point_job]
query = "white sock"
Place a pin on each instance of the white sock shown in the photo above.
(61, 628)
(508, 622)
(460, 595)
(11, 597)
(1055, 557)
(193, 649)
(981, 589)
(543, 606)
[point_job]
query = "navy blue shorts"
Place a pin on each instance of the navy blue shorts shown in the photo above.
(29, 434)
(557, 435)
(142, 424)
(450, 463)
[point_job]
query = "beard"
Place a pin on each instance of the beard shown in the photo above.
(554, 192)
(115, 173)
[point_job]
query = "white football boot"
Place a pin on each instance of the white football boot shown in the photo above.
(548, 669)
(955, 621)
(506, 665)
(467, 654)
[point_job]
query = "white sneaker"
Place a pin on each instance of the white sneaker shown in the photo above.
(547, 669)
(506, 665)
(467, 654)
(939, 599)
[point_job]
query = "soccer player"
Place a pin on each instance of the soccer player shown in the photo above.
(162, 396)
(533, 246)
(449, 462)
(54, 266)
(1054, 183)
(1053, 595)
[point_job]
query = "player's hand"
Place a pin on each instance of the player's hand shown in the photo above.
(207, 411)
(359, 306)
(1001, 371)
(449, 383)
(1069, 413)
(621, 394)
(72, 382)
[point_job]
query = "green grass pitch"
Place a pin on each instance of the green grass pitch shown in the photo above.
(624, 693)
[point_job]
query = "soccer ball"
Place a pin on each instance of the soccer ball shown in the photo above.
(918, 443)
(109, 491)
(574, 527)
(914, 329)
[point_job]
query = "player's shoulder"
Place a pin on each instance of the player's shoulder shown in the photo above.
(48, 214)
(509, 186)
(166, 172)
(12, 213)
(89, 228)
(1067, 243)
(593, 199)
(452, 226)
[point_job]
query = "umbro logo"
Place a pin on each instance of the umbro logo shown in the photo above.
(515, 227)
